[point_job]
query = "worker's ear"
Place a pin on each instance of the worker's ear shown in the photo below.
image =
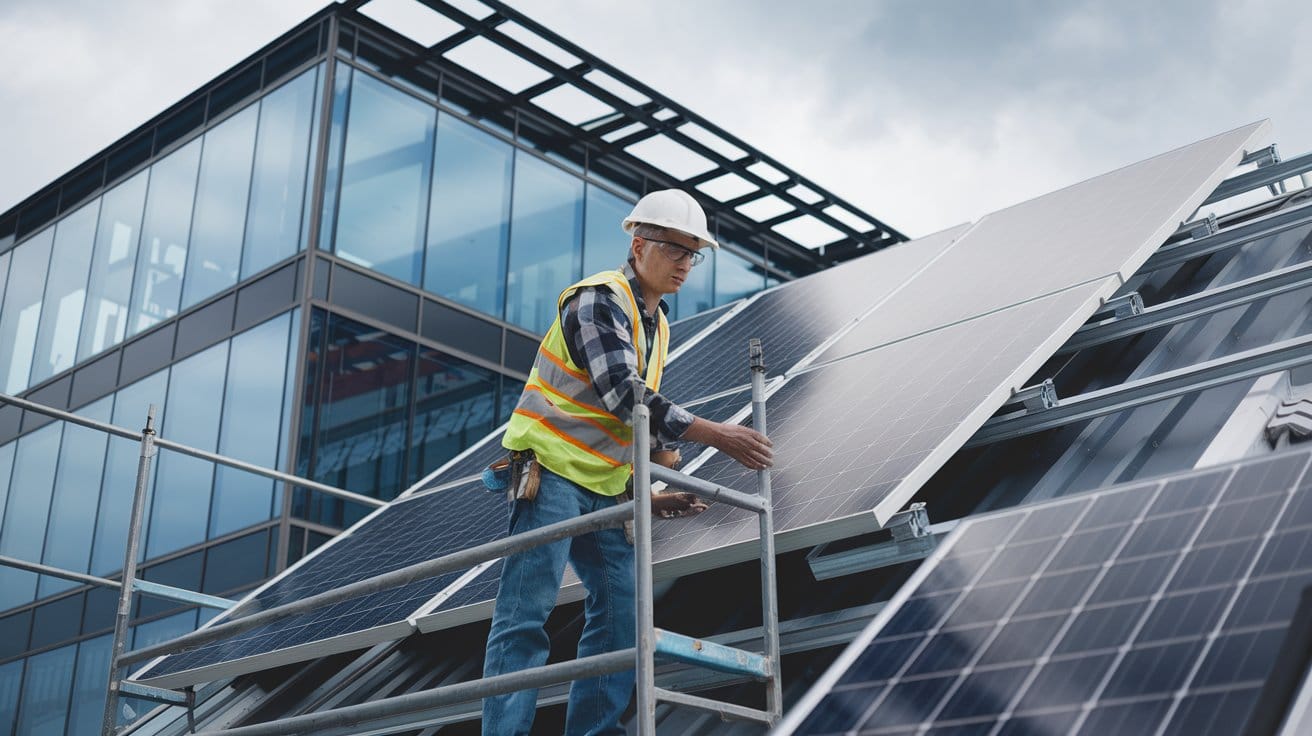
(637, 247)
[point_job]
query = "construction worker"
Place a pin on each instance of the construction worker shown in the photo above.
(570, 450)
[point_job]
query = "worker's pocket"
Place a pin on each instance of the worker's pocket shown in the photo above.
(627, 495)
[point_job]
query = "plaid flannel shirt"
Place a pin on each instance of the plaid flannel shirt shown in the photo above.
(598, 338)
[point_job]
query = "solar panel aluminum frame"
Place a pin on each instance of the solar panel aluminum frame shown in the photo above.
(311, 650)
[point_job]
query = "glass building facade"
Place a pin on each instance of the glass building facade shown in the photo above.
(324, 262)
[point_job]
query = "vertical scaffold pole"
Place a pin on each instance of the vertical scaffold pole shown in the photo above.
(110, 722)
(646, 615)
(769, 592)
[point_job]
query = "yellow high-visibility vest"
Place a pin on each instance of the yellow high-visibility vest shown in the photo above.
(560, 416)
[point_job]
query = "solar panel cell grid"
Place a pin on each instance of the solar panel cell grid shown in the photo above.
(1126, 620)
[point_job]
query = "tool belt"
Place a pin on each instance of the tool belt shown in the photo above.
(518, 474)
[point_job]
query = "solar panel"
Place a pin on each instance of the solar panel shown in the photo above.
(853, 440)
(1106, 225)
(406, 532)
(684, 329)
(466, 465)
(1156, 607)
(795, 318)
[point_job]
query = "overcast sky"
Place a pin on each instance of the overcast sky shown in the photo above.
(923, 113)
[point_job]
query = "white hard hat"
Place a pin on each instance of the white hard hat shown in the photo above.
(674, 209)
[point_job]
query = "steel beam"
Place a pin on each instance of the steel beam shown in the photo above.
(1261, 177)
(1192, 307)
(1278, 222)
(716, 707)
(712, 656)
(154, 590)
(1241, 366)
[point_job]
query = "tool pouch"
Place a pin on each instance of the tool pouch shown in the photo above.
(496, 477)
(525, 476)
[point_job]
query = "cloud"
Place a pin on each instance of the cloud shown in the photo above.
(924, 114)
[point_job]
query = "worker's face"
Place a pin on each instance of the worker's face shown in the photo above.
(664, 264)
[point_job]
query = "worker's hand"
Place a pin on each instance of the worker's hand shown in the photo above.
(673, 505)
(744, 444)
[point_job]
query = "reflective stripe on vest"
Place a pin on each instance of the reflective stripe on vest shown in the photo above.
(561, 417)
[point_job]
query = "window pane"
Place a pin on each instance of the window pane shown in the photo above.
(66, 291)
(112, 264)
(546, 241)
(455, 407)
(11, 683)
(45, 692)
(169, 627)
(22, 310)
(217, 227)
(387, 163)
(278, 184)
(179, 515)
(605, 244)
(24, 529)
(88, 705)
(251, 425)
(163, 252)
(333, 165)
(361, 433)
(735, 278)
(6, 467)
(120, 478)
(469, 222)
(77, 488)
(698, 292)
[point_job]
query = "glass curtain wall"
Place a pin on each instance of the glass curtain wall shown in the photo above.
(434, 201)
(225, 205)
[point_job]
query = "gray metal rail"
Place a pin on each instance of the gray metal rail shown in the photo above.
(651, 642)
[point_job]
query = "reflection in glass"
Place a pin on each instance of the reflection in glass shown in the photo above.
(23, 531)
(455, 406)
(697, 293)
(66, 291)
(735, 278)
(251, 425)
(387, 162)
(605, 244)
(164, 233)
(21, 311)
(469, 221)
(279, 182)
(45, 691)
(362, 395)
(161, 630)
(178, 516)
(11, 684)
(6, 468)
(77, 488)
(220, 218)
(546, 233)
(333, 165)
(110, 286)
(120, 477)
(88, 703)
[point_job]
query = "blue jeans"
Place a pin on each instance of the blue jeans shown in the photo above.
(530, 582)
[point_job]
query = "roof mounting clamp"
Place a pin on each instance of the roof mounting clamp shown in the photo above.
(1268, 156)
(1034, 398)
(912, 540)
(1292, 417)
(1198, 229)
(1126, 305)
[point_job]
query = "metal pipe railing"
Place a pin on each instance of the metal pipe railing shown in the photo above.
(117, 431)
(461, 560)
(774, 694)
(645, 608)
(154, 590)
(708, 490)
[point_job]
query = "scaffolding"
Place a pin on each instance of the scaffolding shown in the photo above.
(652, 643)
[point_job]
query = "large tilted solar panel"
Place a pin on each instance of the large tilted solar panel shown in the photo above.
(1157, 607)
(794, 319)
(472, 601)
(1108, 225)
(404, 533)
(853, 440)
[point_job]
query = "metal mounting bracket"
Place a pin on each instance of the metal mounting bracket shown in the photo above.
(1120, 307)
(1035, 398)
(912, 540)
